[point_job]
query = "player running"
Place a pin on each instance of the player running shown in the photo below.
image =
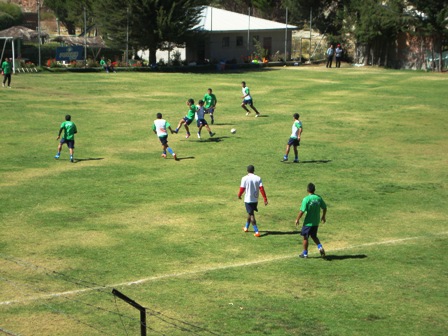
(160, 127)
(210, 104)
(247, 100)
(200, 117)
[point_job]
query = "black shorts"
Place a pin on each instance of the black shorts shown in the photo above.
(70, 143)
(293, 142)
(164, 139)
(308, 231)
(188, 121)
(201, 122)
(251, 207)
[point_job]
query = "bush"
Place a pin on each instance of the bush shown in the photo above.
(10, 15)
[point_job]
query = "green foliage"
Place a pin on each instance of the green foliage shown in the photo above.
(10, 15)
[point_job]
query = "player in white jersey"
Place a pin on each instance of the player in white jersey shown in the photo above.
(247, 100)
(252, 185)
(294, 139)
(160, 127)
(200, 117)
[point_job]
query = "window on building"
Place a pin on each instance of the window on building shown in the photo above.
(226, 42)
(239, 41)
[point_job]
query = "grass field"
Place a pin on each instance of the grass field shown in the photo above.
(169, 234)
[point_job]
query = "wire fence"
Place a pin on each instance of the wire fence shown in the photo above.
(98, 314)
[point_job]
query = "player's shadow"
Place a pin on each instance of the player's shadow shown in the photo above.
(185, 158)
(87, 159)
(263, 116)
(277, 233)
(344, 257)
(307, 161)
(210, 139)
(222, 124)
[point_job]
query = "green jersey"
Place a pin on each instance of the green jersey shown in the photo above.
(102, 62)
(7, 68)
(312, 204)
(295, 129)
(69, 130)
(191, 112)
(210, 100)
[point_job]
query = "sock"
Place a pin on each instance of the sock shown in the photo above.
(164, 152)
(169, 150)
(319, 246)
(247, 225)
(210, 132)
(176, 130)
(297, 158)
(305, 252)
(285, 157)
(255, 227)
(59, 153)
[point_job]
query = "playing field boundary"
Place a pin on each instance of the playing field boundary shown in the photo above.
(202, 270)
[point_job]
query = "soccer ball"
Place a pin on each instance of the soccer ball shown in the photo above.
(233, 131)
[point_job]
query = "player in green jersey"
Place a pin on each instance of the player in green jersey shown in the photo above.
(188, 119)
(311, 205)
(210, 104)
(294, 139)
(70, 130)
(7, 71)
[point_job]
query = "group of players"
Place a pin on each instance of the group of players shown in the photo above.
(251, 184)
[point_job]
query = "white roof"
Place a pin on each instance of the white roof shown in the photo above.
(215, 19)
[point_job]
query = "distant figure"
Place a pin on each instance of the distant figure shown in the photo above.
(160, 127)
(294, 139)
(247, 100)
(188, 119)
(311, 205)
(110, 66)
(251, 185)
(103, 63)
(70, 130)
(330, 54)
(210, 104)
(7, 71)
(338, 54)
(201, 122)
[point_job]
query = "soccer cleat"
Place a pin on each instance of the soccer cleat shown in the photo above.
(257, 115)
(3, 84)
(187, 136)
(71, 159)
(303, 255)
(322, 252)
(245, 229)
(285, 158)
(212, 134)
(257, 234)
(175, 157)
(296, 161)
(176, 130)
(247, 113)
(164, 155)
(57, 156)
(199, 135)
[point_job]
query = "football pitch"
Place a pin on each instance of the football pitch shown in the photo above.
(168, 234)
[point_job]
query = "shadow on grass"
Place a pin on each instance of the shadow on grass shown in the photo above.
(307, 161)
(88, 159)
(214, 139)
(277, 233)
(185, 158)
(343, 257)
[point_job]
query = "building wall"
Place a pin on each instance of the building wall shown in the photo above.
(234, 47)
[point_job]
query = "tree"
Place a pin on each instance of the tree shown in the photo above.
(61, 9)
(152, 23)
(431, 20)
(10, 15)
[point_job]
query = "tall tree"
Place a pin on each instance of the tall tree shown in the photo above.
(61, 9)
(431, 20)
(152, 22)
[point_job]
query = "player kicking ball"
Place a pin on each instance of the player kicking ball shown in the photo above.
(160, 127)
(188, 119)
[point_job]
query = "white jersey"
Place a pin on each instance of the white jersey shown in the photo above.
(160, 126)
(246, 91)
(200, 112)
(252, 183)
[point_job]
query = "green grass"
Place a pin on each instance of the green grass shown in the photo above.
(374, 143)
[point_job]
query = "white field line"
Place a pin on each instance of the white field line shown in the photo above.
(210, 269)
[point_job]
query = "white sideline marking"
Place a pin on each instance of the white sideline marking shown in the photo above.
(217, 268)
